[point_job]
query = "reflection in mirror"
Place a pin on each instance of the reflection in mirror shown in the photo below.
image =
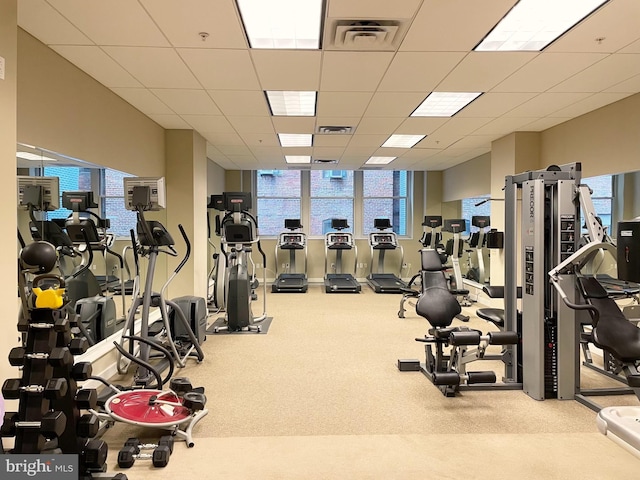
(79, 208)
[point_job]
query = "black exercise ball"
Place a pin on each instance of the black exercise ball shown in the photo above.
(39, 257)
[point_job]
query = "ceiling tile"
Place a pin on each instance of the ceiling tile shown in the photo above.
(353, 71)
(503, 125)
(545, 103)
(547, 70)
(394, 104)
(288, 70)
(369, 141)
(181, 22)
(43, 22)
(331, 140)
(260, 139)
(253, 125)
(221, 69)
(481, 71)
(116, 22)
(327, 153)
(544, 124)
(633, 47)
(342, 103)
(420, 125)
(170, 121)
(494, 104)
(631, 85)
(219, 140)
(602, 75)
(372, 9)
(593, 102)
(373, 125)
(99, 65)
(154, 67)
(444, 27)
(209, 123)
(407, 72)
(240, 103)
(294, 124)
(144, 100)
(616, 23)
(187, 102)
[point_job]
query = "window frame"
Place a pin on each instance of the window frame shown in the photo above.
(357, 199)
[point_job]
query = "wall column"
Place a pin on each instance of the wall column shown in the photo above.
(510, 155)
(186, 183)
(8, 138)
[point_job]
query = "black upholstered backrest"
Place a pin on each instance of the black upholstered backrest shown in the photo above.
(436, 303)
(613, 331)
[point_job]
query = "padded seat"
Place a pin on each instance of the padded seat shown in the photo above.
(493, 315)
(612, 331)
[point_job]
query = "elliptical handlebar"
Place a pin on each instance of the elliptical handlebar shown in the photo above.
(85, 267)
(187, 254)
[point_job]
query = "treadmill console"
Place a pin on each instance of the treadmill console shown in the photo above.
(383, 240)
(339, 240)
(292, 240)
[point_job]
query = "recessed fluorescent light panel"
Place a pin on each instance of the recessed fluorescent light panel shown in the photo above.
(402, 141)
(444, 104)
(34, 157)
(292, 104)
(295, 139)
(282, 23)
(531, 25)
(297, 158)
(379, 160)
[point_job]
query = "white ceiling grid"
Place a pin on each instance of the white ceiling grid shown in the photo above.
(152, 54)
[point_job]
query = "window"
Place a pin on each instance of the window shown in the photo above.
(110, 198)
(331, 197)
(278, 197)
(385, 195)
(602, 198)
(469, 209)
(317, 196)
(112, 203)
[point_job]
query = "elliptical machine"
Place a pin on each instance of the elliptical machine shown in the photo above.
(239, 231)
(217, 275)
(147, 194)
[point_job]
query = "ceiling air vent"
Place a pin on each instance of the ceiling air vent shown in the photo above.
(367, 34)
(371, 168)
(299, 167)
(324, 160)
(334, 130)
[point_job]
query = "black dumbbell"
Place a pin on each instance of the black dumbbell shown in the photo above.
(81, 371)
(135, 443)
(180, 385)
(52, 424)
(59, 356)
(60, 325)
(78, 345)
(87, 399)
(160, 456)
(93, 454)
(55, 388)
(88, 425)
(194, 401)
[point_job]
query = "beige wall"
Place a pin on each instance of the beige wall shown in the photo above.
(606, 140)
(469, 179)
(61, 108)
(8, 102)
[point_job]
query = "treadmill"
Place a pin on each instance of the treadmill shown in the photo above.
(290, 281)
(340, 241)
(383, 241)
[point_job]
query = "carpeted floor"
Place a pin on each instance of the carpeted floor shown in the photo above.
(320, 396)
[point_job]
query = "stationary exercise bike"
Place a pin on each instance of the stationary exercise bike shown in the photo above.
(239, 231)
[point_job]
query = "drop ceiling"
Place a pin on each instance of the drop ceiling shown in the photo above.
(151, 53)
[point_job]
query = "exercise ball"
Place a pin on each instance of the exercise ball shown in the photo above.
(39, 257)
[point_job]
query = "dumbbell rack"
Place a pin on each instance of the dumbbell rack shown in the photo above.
(48, 420)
